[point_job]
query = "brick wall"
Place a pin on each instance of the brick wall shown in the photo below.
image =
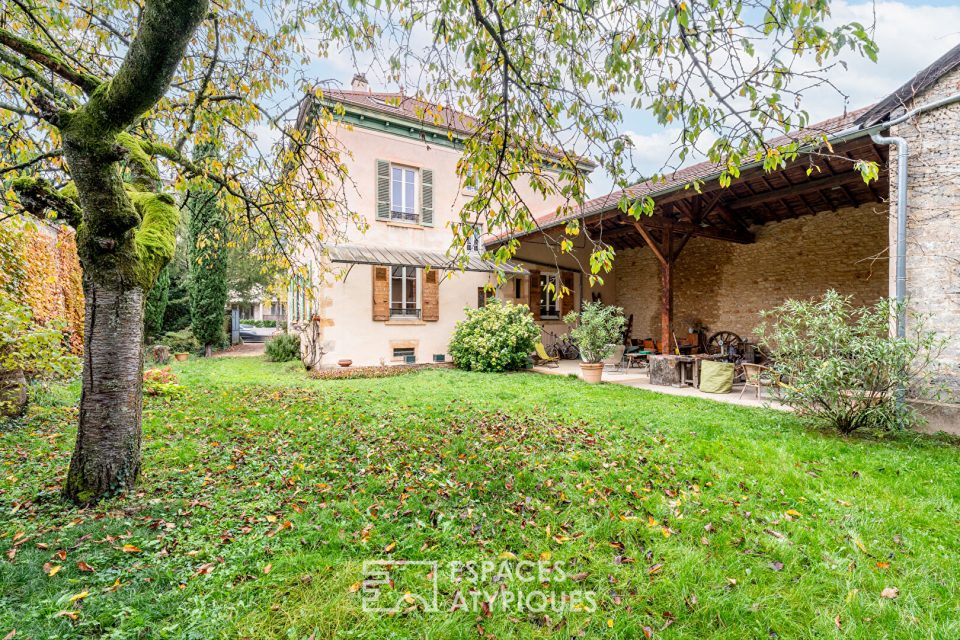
(933, 219)
(726, 285)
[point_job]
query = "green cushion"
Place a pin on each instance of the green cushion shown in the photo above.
(716, 377)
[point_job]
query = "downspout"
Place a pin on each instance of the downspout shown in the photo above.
(901, 257)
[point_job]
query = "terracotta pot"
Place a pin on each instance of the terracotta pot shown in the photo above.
(181, 356)
(344, 362)
(591, 371)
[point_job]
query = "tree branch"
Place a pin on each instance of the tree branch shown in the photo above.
(38, 196)
(29, 163)
(51, 61)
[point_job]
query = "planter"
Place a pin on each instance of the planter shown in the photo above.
(591, 371)
(345, 362)
(181, 356)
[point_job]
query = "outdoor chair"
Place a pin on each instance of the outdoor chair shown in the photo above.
(543, 359)
(759, 376)
(615, 360)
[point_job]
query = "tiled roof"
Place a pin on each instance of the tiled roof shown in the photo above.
(682, 177)
(399, 105)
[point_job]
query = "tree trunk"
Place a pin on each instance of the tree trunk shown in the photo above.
(106, 459)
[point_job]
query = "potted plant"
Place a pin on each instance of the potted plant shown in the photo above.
(598, 329)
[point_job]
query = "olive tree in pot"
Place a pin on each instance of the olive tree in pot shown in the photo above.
(597, 329)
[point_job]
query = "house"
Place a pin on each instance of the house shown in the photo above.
(392, 293)
(717, 256)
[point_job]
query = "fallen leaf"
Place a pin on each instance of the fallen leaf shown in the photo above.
(654, 569)
(390, 547)
(61, 554)
(73, 615)
(776, 566)
(579, 577)
(83, 566)
(52, 570)
(267, 568)
(355, 587)
(129, 548)
(890, 593)
(610, 622)
(506, 555)
(883, 565)
(11, 635)
(79, 596)
(794, 513)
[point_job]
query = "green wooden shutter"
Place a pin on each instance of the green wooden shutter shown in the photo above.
(426, 197)
(383, 190)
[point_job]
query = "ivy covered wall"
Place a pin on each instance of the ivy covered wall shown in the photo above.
(39, 268)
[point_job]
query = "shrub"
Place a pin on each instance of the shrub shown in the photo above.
(841, 367)
(283, 348)
(29, 351)
(265, 324)
(182, 341)
(496, 337)
(162, 383)
(599, 328)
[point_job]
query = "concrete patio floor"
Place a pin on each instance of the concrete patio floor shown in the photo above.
(640, 379)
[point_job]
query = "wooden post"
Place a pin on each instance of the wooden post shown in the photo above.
(666, 292)
(666, 254)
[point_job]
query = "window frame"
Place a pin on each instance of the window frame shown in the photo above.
(397, 214)
(402, 311)
(549, 304)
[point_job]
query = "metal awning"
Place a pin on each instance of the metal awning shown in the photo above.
(392, 257)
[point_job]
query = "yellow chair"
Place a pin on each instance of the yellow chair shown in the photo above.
(543, 359)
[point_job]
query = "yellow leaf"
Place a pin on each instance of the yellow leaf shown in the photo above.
(355, 587)
(54, 570)
(129, 548)
(610, 622)
(545, 556)
(79, 596)
(793, 512)
(390, 547)
(506, 555)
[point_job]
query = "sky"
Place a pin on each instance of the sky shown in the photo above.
(910, 34)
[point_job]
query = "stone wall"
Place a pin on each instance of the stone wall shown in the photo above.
(933, 220)
(725, 285)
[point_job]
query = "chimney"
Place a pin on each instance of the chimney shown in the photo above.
(359, 83)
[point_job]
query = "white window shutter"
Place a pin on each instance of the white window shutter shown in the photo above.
(383, 190)
(426, 197)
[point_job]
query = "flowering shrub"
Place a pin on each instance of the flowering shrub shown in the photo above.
(496, 337)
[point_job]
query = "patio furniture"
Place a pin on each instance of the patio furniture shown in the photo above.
(637, 359)
(543, 359)
(716, 376)
(759, 376)
(615, 360)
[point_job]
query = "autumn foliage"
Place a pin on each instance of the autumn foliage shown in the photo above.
(39, 268)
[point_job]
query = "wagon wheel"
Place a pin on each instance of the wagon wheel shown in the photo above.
(723, 341)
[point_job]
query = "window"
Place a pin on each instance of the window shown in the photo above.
(469, 181)
(405, 354)
(473, 243)
(403, 182)
(549, 307)
(483, 295)
(403, 292)
(518, 288)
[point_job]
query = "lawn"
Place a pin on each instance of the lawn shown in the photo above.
(264, 493)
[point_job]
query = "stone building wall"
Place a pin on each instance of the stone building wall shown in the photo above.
(726, 285)
(933, 220)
